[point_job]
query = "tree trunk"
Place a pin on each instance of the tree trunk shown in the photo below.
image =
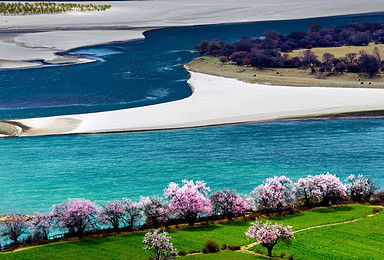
(269, 248)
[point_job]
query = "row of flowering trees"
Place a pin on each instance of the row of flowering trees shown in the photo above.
(187, 203)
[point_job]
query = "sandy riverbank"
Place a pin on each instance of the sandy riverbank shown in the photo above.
(23, 50)
(60, 31)
(215, 101)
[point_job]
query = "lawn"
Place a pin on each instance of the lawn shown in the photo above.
(129, 246)
(363, 239)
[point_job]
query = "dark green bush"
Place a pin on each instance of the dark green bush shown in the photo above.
(181, 253)
(211, 246)
(234, 248)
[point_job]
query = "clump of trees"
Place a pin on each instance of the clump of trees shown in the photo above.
(30, 8)
(187, 203)
(271, 50)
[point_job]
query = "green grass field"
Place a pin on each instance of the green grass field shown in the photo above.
(363, 239)
(129, 246)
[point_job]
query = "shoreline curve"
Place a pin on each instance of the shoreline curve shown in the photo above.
(216, 101)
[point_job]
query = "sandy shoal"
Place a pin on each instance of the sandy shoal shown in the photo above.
(215, 101)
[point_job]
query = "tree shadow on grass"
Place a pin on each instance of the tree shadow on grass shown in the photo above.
(199, 228)
(286, 217)
(333, 209)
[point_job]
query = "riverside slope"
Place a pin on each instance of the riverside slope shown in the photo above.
(215, 101)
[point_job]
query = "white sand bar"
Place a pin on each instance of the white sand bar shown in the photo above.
(215, 101)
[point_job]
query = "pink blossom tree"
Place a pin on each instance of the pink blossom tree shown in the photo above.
(228, 203)
(189, 201)
(132, 213)
(275, 194)
(14, 226)
(330, 188)
(360, 188)
(41, 225)
(307, 192)
(113, 213)
(159, 243)
(270, 234)
(76, 215)
(155, 210)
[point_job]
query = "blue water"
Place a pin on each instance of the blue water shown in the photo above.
(38, 172)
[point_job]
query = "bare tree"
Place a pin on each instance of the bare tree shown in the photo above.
(14, 226)
(350, 57)
(328, 57)
(309, 58)
(376, 53)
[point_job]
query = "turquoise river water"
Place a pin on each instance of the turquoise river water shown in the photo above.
(38, 172)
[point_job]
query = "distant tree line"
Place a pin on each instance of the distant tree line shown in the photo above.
(26, 8)
(271, 49)
(186, 203)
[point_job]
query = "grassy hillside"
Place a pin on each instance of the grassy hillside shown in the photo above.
(129, 246)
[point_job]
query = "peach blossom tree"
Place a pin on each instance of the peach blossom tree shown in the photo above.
(269, 234)
(159, 243)
(228, 203)
(76, 215)
(189, 201)
(274, 194)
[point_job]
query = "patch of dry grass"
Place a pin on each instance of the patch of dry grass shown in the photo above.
(341, 51)
(284, 77)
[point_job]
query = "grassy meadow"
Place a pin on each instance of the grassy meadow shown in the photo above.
(292, 76)
(308, 244)
(341, 51)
